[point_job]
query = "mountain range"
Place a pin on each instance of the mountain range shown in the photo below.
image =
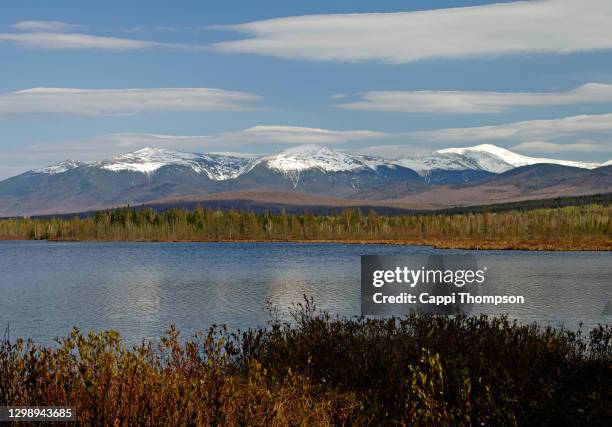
(306, 175)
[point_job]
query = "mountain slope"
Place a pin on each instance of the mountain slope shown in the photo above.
(497, 159)
(538, 181)
(148, 160)
(446, 177)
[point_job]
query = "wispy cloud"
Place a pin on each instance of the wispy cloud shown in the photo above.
(532, 130)
(45, 26)
(466, 102)
(167, 29)
(551, 147)
(276, 135)
(560, 26)
(55, 35)
(393, 151)
(297, 135)
(123, 101)
(123, 142)
(575, 133)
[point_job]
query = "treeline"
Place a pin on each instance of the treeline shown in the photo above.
(421, 370)
(572, 227)
(524, 205)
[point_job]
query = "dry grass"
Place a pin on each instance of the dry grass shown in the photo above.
(586, 227)
(420, 370)
(169, 384)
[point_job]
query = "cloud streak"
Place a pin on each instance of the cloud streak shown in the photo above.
(274, 135)
(551, 147)
(63, 41)
(297, 135)
(530, 130)
(534, 135)
(95, 102)
(45, 26)
(467, 102)
(558, 26)
(55, 35)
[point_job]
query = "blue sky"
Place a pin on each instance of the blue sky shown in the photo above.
(228, 76)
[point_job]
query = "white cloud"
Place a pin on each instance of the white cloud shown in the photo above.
(466, 102)
(560, 26)
(51, 35)
(76, 41)
(122, 101)
(166, 29)
(279, 135)
(297, 135)
(391, 151)
(45, 26)
(529, 135)
(522, 131)
(551, 147)
(123, 142)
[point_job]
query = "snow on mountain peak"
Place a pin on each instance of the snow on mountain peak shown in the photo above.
(497, 159)
(150, 151)
(148, 160)
(312, 156)
(60, 167)
(295, 160)
(509, 157)
(292, 162)
(488, 148)
(423, 164)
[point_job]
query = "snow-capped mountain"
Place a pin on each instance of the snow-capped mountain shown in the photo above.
(217, 167)
(148, 160)
(153, 174)
(60, 167)
(484, 157)
(292, 161)
(497, 159)
(437, 161)
(313, 156)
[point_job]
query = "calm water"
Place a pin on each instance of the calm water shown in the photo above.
(141, 288)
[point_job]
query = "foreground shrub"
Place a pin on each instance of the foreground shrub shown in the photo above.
(318, 370)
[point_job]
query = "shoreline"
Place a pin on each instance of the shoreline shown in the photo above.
(520, 245)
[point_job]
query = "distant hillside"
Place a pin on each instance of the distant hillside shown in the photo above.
(308, 175)
(265, 205)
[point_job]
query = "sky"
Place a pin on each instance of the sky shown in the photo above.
(385, 78)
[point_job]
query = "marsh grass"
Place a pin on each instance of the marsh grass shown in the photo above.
(585, 227)
(319, 370)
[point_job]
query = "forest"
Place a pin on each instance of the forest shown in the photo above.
(582, 227)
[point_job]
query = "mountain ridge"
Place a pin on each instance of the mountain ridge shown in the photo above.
(314, 156)
(434, 179)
